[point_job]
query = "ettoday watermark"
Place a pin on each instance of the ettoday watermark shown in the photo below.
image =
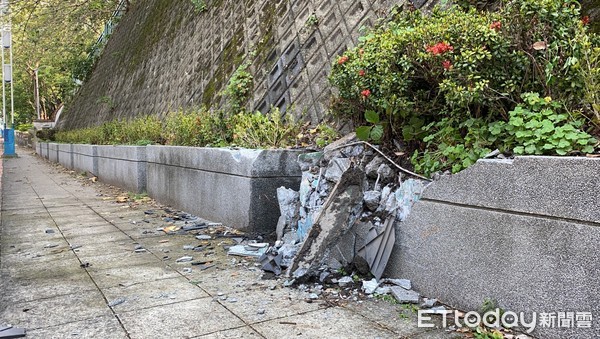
(497, 318)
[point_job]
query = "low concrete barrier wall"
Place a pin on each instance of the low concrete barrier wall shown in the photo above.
(123, 166)
(85, 158)
(65, 155)
(524, 232)
(53, 152)
(236, 187)
(45, 150)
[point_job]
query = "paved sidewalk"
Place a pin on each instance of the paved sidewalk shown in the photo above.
(69, 268)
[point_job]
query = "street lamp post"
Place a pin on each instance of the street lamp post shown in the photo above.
(7, 79)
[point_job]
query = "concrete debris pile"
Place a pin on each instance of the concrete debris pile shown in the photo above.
(350, 202)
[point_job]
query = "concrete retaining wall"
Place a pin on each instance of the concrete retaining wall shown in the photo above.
(65, 155)
(524, 232)
(236, 187)
(123, 166)
(44, 150)
(85, 159)
(53, 152)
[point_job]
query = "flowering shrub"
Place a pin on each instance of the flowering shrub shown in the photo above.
(437, 82)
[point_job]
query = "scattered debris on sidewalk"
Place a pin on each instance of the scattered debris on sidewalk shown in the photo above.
(116, 302)
(7, 331)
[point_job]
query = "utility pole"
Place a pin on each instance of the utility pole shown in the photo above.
(7, 79)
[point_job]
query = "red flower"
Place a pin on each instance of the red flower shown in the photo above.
(361, 51)
(496, 25)
(365, 93)
(361, 73)
(585, 20)
(342, 59)
(447, 64)
(440, 48)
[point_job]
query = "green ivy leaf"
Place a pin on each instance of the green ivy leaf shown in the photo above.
(547, 126)
(372, 117)
(583, 141)
(530, 149)
(561, 152)
(588, 149)
(563, 144)
(363, 133)
(377, 132)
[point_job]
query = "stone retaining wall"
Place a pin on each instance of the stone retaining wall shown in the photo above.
(524, 232)
(236, 187)
(164, 55)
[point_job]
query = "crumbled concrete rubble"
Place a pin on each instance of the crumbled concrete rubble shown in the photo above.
(343, 219)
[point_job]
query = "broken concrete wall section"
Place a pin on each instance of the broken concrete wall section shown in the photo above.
(350, 200)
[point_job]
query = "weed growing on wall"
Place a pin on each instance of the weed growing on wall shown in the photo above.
(239, 88)
(199, 5)
(455, 84)
(312, 21)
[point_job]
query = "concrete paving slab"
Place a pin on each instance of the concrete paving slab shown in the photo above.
(154, 293)
(82, 222)
(325, 323)
(89, 230)
(17, 290)
(245, 332)
(107, 239)
(64, 267)
(56, 310)
(130, 275)
(41, 248)
(179, 320)
(67, 221)
(106, 327)
(32, 256)
(30, 205)
(435, 334)
(94, 250)
(124, 260)
(31, 237)
(218, 280)
(397, 318)
(266, 304)
(30, 214)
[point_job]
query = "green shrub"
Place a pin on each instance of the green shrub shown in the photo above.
(24, 127)
(257, 130)
(439, 81)
(203, 128)
(539, 126)
(181, 129)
